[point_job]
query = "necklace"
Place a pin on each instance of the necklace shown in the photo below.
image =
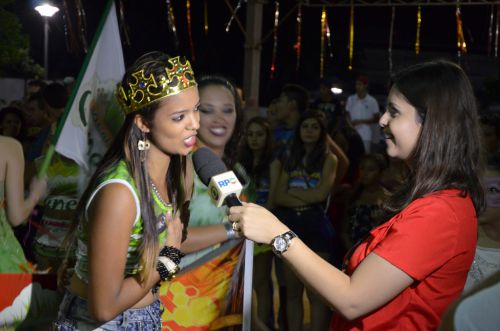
(155, 190)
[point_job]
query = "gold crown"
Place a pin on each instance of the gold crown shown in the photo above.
(146, 90)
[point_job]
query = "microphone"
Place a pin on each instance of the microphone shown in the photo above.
(224, 187)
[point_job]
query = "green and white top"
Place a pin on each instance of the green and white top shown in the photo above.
(121, 175)
(12, 258)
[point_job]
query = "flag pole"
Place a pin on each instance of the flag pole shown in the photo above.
(67, 108)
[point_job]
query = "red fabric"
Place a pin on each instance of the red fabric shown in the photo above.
(433, 240)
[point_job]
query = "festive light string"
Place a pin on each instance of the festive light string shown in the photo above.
(329, 37)
(205, 16)
(322, 51)
(299, 32)
(82, 24)
(238, 6)
(351, 36)
(462, 47)
(419, 23)
(391, 35)
(171, 24)
(275, 38)
(188, 16)
(123, 23)
(490, 29)
(71, 44)
(496, 33)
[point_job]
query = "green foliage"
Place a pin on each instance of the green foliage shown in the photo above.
(14, 48)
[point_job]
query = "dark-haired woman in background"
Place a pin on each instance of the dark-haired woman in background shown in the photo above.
(305, 182)
(256, 156)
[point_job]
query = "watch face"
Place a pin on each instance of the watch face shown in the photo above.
(280, 244)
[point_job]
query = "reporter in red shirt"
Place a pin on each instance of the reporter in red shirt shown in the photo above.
(410, 268)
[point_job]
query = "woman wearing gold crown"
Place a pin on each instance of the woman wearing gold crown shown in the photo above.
(128, 230)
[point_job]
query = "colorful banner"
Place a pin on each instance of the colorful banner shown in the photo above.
(28, 301)
(206, 295)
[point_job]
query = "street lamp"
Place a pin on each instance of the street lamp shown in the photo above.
(47, 11)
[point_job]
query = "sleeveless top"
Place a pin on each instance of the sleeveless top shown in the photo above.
(120, 174)
(12, 258)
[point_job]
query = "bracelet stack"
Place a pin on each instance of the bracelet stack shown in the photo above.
(168, 264)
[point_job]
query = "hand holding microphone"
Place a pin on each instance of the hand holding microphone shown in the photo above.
(223, 185)
(251, 220)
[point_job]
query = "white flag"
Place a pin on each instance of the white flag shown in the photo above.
(92, 115)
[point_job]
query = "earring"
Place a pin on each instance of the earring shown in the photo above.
(143, 145)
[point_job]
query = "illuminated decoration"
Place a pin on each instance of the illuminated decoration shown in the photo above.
(351, 36)
(171, 24)
(297, 45)
(123, 23)
(490, 29)
(188, 17)
(391, 36)
(275, 38)
(69, 34)
(143, 91)
(205, 17)
(329, 38)
(462, 46)
(233, 15)
(496, 33)
(82, 24)
(419, 23)
(322, 52)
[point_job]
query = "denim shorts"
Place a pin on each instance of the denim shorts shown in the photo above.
(74, 315)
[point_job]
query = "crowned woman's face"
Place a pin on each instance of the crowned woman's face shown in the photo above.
(176, 122)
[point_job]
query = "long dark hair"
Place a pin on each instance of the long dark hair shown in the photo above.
(245, 154)
(231, 148)
(447, 154)
(124, 147)
(16, 112)
(297, 151)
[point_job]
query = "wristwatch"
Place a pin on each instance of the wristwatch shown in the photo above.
(281, 243)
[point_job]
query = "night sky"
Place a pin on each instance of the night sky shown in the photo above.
(222, 52)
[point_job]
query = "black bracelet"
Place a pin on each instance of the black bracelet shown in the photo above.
(163, 271)
(172, 253)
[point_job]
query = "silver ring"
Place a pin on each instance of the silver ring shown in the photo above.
(235, 226)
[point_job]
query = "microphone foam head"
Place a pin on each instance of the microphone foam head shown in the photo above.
(207, 164)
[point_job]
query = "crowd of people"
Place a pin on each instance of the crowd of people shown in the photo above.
(396, 233)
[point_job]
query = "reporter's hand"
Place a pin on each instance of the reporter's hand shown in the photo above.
(174, 230)
(256, 223)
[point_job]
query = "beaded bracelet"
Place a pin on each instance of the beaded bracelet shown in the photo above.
(172, 253)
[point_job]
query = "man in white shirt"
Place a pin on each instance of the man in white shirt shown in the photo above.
(363, 112)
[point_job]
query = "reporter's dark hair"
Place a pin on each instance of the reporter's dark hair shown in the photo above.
(447, 154)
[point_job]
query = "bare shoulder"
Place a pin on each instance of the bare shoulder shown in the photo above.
(10, 144)
(331, 159)
(12, 151)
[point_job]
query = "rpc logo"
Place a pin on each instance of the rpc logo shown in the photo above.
(227, 182)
